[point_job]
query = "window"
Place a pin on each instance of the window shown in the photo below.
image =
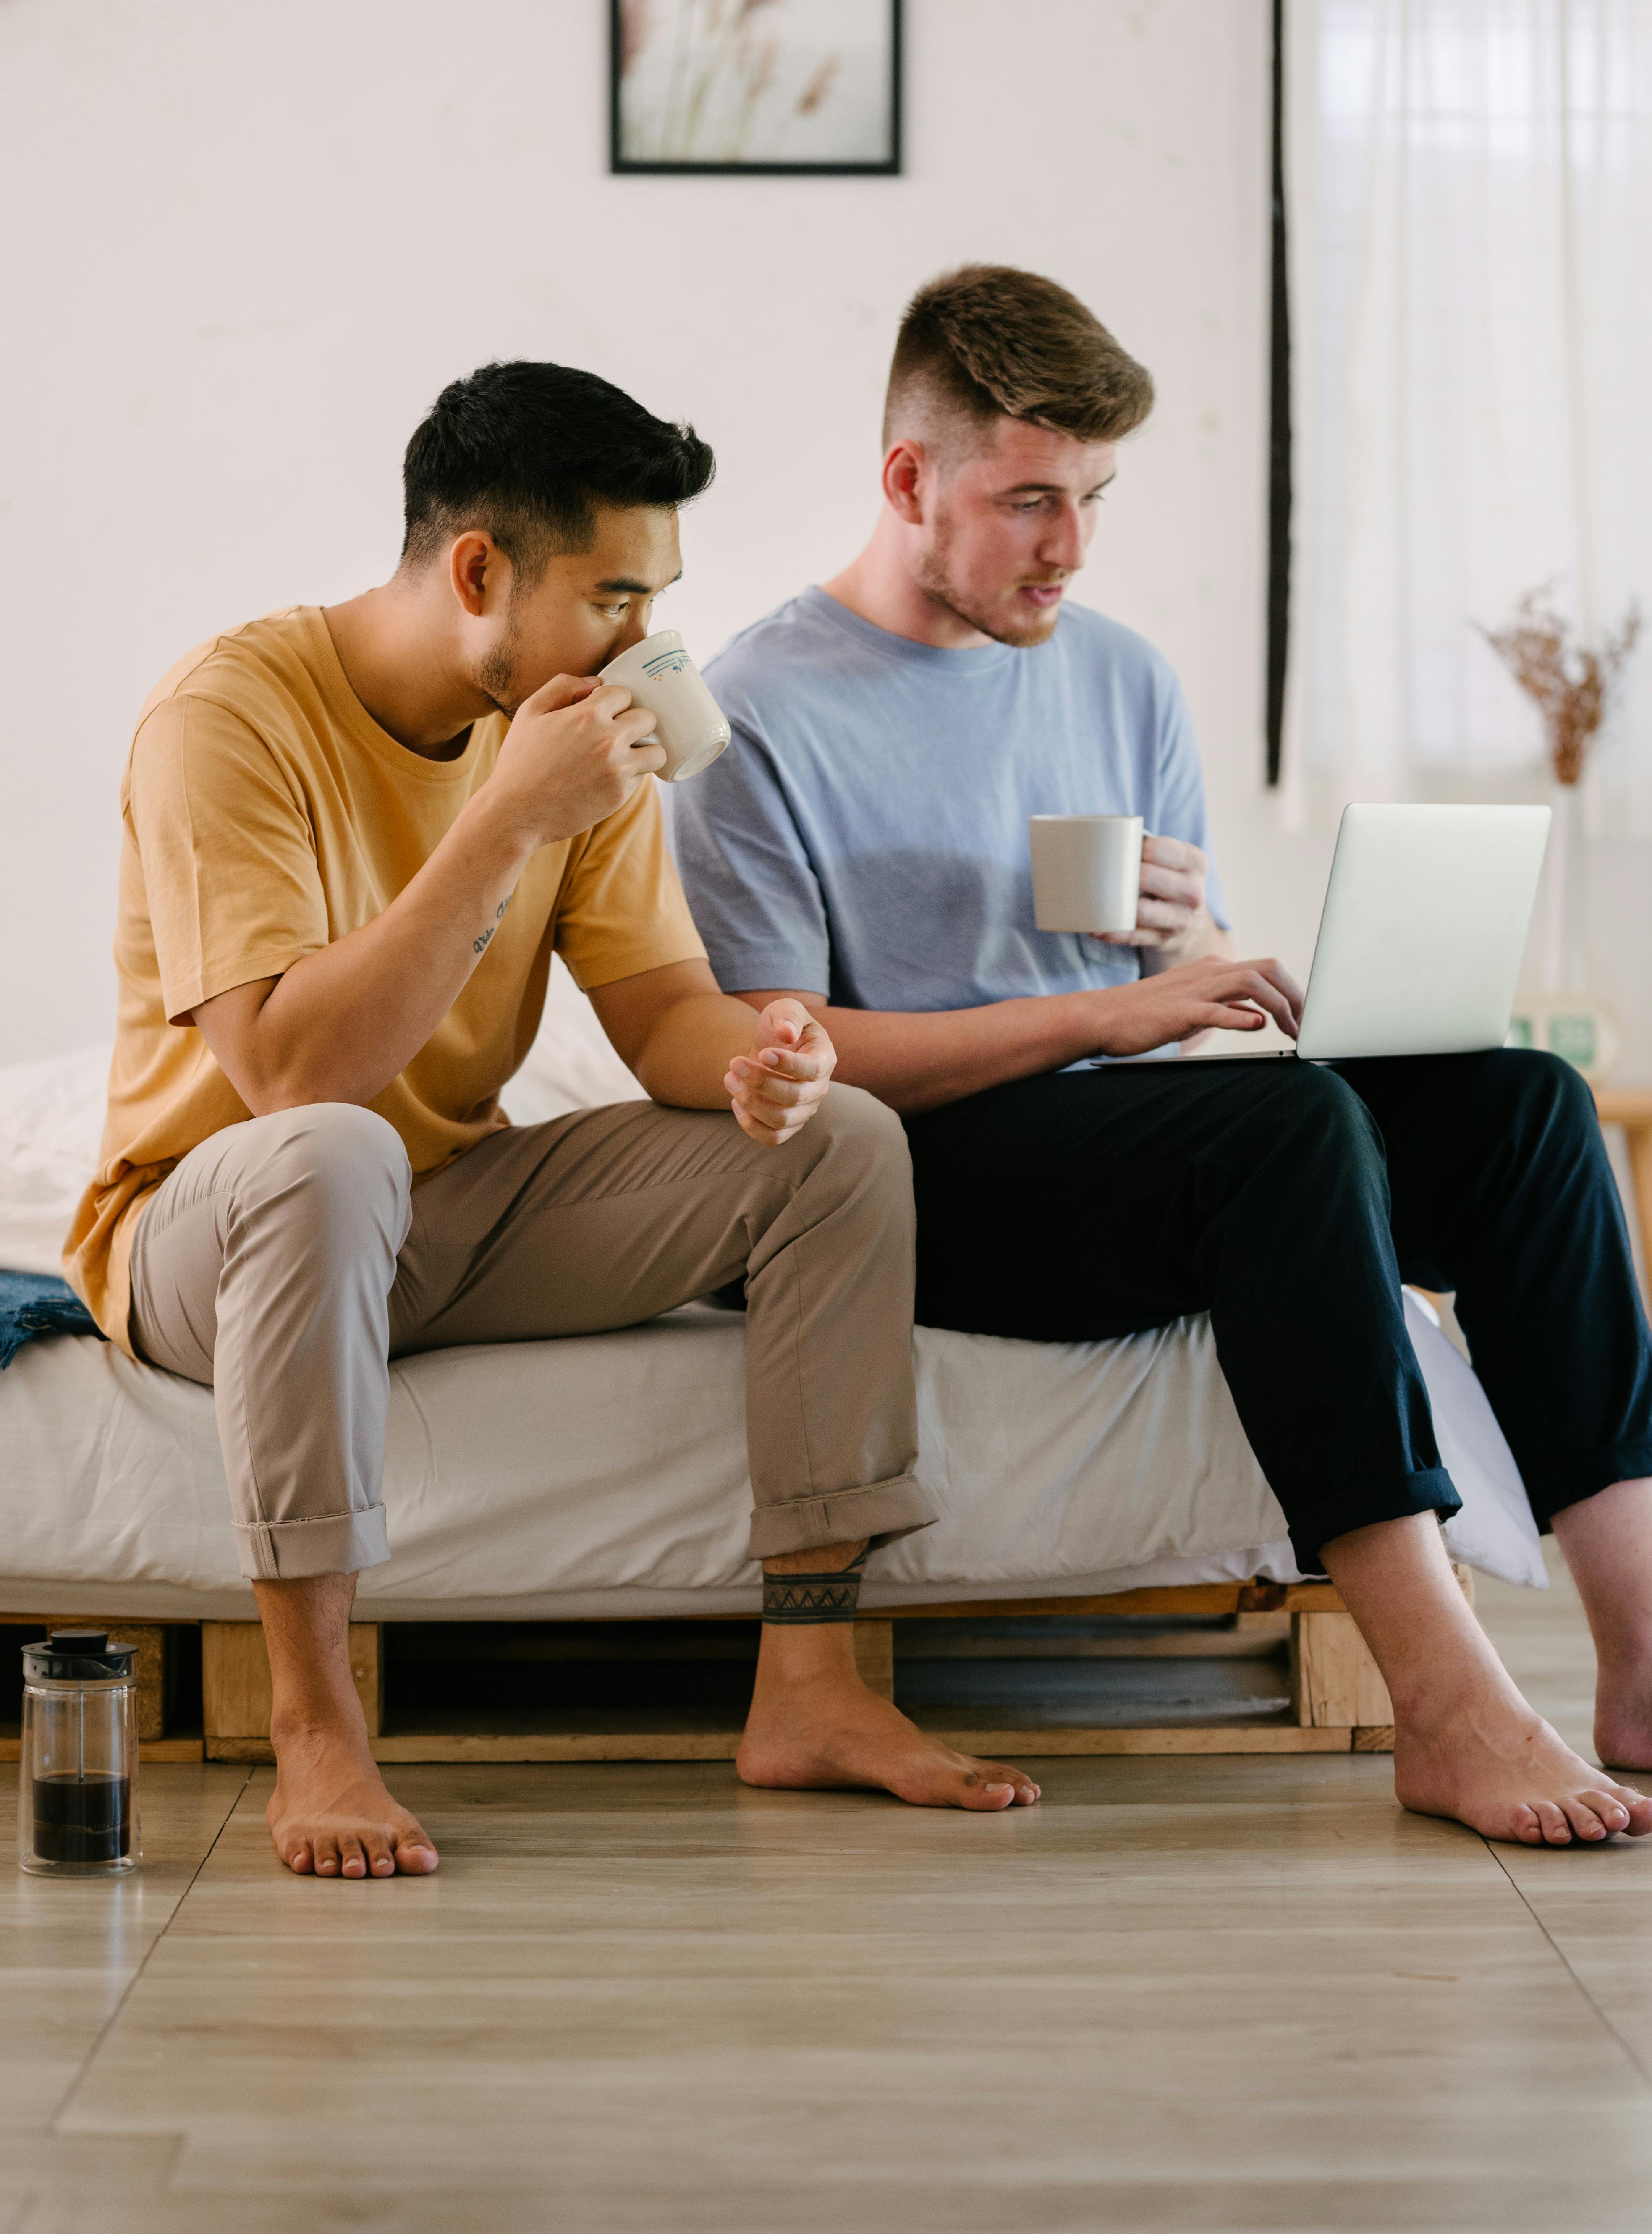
(1469, 186)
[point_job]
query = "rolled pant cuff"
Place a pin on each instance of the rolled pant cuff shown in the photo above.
(1569, 1481)
(333, 1544)
(882, 1510)
(1429, 1491)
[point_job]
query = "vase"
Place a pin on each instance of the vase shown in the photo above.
(1558, 1011)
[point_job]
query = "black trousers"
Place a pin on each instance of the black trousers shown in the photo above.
(1289, 1201)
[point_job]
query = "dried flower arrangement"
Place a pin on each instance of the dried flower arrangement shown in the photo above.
(1570, 682)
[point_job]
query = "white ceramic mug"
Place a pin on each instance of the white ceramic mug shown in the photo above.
(1087, 871)
(688, 721)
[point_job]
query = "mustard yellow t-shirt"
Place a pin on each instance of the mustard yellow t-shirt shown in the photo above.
(266, 814)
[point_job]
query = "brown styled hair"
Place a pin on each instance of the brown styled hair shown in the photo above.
(989, 342)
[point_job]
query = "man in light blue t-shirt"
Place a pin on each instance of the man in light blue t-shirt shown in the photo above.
(862, 847)
(884, 859)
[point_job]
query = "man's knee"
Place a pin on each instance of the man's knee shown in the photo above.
(335, 1170)
(852, 1114)
(1319, 1111)
(1532, 1088)
(862, 1141)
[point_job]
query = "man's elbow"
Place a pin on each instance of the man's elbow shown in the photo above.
(267, 1087)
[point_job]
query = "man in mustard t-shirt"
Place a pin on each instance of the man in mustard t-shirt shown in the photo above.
(352, 839)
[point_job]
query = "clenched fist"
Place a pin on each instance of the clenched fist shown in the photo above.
(572, 755)
(779, 1085)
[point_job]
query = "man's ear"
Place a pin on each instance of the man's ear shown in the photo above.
(478, 572)
(904, 472)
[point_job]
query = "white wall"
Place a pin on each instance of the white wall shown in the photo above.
(244, 245)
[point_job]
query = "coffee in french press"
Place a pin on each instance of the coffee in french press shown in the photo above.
(77, 1814)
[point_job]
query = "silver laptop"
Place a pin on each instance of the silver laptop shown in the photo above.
(1423, 930)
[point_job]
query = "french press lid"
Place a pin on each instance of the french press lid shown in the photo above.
(77, 1655)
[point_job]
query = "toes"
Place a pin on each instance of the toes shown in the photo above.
(1557, 1830)
(996, 1772)
(381, 1862)
(1580, 1812)
(1637, 1806)
(986, 1796)
(1608, 1806)
(367, 1853)
(1526, 1827)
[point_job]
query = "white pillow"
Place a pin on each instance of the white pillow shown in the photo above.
(51, 1123)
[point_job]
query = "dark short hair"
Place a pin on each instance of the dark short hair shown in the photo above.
(529, 450)
(988, 342)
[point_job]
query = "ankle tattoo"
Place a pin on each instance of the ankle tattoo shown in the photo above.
(834, 1597)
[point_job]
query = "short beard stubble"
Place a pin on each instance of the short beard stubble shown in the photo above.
(935, 580)
(496, 675)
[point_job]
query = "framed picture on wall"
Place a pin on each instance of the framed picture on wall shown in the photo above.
(766, 85)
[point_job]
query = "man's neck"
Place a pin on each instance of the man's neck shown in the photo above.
(882, 586)
(393, 655)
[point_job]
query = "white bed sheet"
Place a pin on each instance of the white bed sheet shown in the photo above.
(606, 1475)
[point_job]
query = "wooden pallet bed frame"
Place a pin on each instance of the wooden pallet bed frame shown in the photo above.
(1338, 1701)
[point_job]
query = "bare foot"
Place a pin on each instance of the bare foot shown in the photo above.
(1495, 1766)
(330, 1815)
(1623, 1715)
(820, 1727)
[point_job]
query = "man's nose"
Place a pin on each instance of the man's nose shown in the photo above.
(635, 629)
(1062, 542)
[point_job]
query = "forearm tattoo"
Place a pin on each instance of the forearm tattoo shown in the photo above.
(836, 1596)
(477, 944)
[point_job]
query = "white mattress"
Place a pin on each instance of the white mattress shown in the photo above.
(606, 1475)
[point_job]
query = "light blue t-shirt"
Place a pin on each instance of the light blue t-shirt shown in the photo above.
(864, 835)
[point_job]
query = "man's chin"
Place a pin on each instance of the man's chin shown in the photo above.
(1025, 628)
(1016, 622)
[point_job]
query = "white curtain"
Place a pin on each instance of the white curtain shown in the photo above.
(1469, 199)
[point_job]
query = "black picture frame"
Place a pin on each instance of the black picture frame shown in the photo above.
(622, 164)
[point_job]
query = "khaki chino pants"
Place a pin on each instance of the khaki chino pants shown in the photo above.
(287, 1259)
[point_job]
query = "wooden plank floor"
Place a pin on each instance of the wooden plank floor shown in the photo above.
(1233, 1992)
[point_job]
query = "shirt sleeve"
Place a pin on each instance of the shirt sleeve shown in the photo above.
(750, 882)
(1182, 813)
(620, 908)
(229, 874)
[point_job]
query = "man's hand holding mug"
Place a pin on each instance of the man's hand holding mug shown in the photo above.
(1100, 875)
(1171, 895)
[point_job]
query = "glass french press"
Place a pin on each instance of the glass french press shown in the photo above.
(78, 1807)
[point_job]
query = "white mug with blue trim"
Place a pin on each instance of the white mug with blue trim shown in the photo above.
(689, 723)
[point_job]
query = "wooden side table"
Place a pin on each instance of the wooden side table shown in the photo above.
(1631, 1107)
